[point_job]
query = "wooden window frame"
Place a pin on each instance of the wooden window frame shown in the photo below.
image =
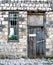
(13, 26)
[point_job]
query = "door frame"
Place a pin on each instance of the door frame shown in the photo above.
(28, 39)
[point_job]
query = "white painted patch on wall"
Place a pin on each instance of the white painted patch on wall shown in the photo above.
(32, 35)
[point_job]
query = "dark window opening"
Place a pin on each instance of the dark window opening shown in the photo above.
(13, 26)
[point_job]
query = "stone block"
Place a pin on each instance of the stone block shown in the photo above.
(15, 8)
(22, 30)
(24, 26)
(2, 4)
(20, 36)
(7, 8)
(5, 38)
(20, 22)
(5, 22)
(24, 15)
(22, 4)
(0, 36)
(25, 37)
(24, 22)
(4, 8)
(19, 8)
(21, 18)
(5, 15)
(6, 18)
(6, 33)
(21, 33)
(10, 4)
(6, 4)
(0, 16)
(27, 8)
(20, 26)
(1, 19)
(5, 30)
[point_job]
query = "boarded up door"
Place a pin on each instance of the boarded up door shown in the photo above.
(36, 42)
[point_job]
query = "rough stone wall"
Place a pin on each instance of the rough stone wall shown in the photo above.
(49, 38)
(25, 6)
(20, 48)
(13, 48)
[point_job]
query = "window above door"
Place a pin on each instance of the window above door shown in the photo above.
(35, 20)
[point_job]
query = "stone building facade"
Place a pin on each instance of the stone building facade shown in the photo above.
(14, 34)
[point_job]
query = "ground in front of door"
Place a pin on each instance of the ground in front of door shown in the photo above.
(26, 62)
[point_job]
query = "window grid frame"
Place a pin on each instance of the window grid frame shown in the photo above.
(13, 26)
